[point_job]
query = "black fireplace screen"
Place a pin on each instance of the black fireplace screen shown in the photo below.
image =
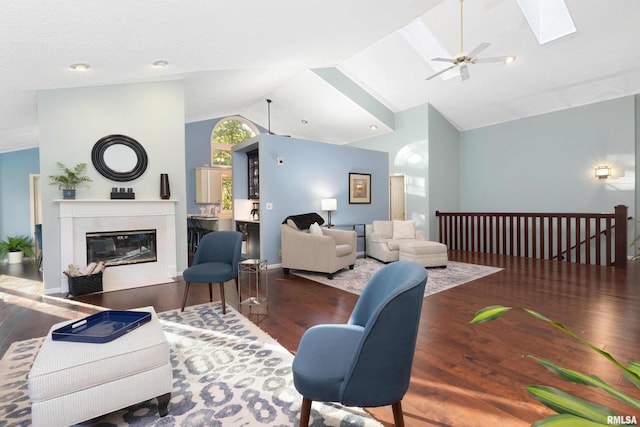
(122, 247)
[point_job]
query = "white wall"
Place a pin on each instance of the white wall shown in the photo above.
(444, 168)
(408, 148)
(72, 120)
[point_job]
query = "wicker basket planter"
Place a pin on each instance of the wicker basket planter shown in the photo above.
(82, 285)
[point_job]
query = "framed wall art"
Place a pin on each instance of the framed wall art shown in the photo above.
(359, 188)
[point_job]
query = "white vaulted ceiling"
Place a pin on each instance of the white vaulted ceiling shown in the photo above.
(234, 55)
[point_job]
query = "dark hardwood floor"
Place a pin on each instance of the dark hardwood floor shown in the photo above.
(463, 375)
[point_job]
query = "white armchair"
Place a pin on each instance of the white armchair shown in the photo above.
(328, 252)
(384, 238)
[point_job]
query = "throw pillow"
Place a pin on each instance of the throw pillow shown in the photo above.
(404, 229)
(315, 229)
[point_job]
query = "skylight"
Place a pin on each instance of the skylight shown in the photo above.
(549, 19)
(420, 37)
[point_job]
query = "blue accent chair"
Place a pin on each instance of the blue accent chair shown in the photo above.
(366, 362)
(216, 260)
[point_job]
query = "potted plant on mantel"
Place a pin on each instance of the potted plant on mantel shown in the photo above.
(15, 248)
(69, 179)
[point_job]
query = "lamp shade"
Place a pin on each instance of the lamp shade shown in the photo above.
(329, 204)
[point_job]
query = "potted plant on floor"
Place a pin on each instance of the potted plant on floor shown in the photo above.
(15, 248)
(69, 179)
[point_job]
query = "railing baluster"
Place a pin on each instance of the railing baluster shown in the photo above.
(559, 238)
(598, 241)
(534, 233)
(577, 240)
(543, 246)
(587, 247)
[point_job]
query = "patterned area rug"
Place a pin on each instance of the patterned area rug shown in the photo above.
(33, 287)
(227, 372)
(439, 279)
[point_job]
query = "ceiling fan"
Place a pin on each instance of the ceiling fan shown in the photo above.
(464, 59)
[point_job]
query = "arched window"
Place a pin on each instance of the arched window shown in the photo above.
(227, 133)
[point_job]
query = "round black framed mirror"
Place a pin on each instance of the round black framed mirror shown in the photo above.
(119, 158)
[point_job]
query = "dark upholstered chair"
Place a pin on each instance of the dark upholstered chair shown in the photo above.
(367, 362)
(216, 261)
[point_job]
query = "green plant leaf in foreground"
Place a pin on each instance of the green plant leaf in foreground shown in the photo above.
(565, 403)
(634, 366)
(590, 380)
(495, 311)
(491, 312)
(566, 420)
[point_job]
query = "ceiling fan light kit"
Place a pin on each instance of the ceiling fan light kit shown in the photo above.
(463, 59)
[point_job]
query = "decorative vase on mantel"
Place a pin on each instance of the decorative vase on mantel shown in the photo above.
(165, 192)
(69, 194)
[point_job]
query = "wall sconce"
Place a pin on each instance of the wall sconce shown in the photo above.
(603, 172)
(329, 205)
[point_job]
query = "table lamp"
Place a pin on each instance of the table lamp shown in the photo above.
(329, 205)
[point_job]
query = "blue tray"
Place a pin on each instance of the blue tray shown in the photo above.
(101, 327)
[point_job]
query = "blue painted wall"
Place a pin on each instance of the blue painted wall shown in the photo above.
(546, 163)
(15, 168)
(311, 171)
(198, 154)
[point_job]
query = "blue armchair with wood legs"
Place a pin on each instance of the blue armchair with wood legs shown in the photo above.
(366, 362)
(215, 261)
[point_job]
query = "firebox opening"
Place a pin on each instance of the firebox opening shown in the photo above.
(122, 247)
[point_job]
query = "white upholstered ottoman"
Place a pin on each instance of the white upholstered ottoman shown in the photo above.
(424, 252)
(71, 382)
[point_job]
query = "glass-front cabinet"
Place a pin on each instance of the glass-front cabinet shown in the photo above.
(253, 169)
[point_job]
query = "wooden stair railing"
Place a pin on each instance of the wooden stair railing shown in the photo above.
(586, 238)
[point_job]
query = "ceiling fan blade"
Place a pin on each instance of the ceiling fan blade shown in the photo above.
(464, 72)
(440, 72)
(491, 59)
(478, 49)
(444, 60)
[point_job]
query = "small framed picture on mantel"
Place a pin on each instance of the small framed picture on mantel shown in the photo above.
(359, 188)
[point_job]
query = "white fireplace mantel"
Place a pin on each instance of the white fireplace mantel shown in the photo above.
(77, 217)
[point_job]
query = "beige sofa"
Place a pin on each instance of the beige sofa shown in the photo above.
(384, 238)
(328, 251)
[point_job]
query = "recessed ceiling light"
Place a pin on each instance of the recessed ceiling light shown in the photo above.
(304, 122)
(79, 67)
(160, 64)
(509, 59)
(373, 127)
